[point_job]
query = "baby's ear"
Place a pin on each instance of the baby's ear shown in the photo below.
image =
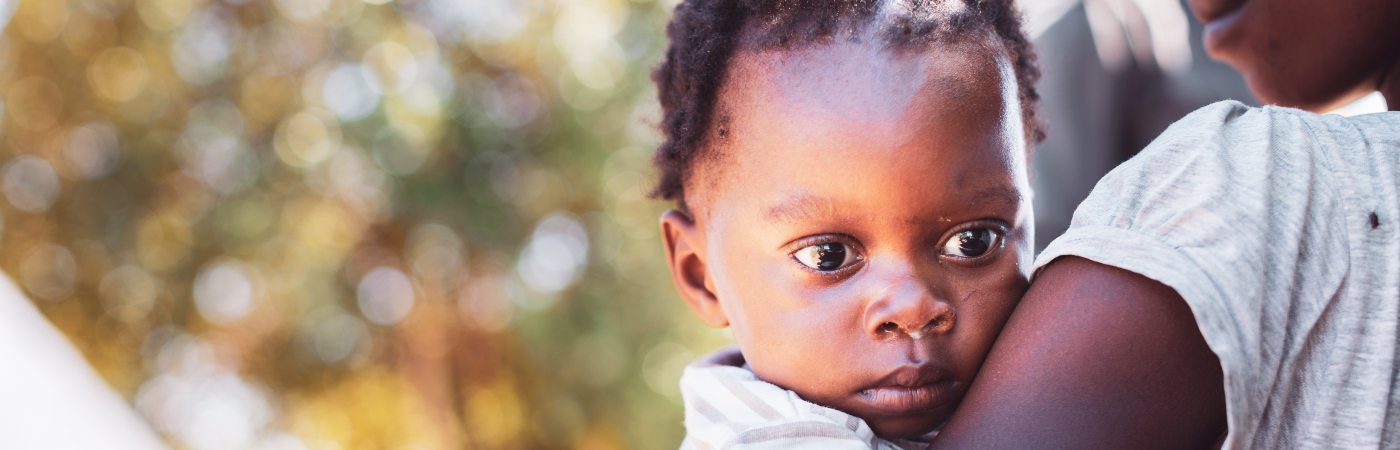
(684, 255)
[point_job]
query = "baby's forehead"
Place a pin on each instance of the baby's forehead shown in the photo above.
(850, 99)
(862, 78)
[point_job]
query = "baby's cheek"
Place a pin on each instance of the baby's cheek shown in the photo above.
(804, 353)
(985, 313)
(788, 370)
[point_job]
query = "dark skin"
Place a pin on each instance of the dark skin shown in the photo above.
(1309, 54)
(1098, 357)
(1094, 357)
(863, 227)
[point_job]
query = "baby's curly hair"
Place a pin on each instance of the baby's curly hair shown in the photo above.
(704, 35)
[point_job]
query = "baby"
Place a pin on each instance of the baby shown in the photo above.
(852, 202)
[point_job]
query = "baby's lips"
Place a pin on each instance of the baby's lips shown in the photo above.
(913, 375)
(898, 400)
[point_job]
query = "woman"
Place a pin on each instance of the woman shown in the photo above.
(1238, 282)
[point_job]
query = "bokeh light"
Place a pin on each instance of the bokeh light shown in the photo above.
(385, 296)
(345, 224)
(223, 292)
(30, 183)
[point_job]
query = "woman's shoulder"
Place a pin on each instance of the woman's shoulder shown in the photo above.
(1223, 198)
(1277, 227)
(1231, 154)
(1229, 128)
(1271, 167)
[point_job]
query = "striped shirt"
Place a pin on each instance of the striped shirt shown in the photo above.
(728, 407)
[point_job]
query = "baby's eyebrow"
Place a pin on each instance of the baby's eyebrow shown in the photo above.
(800, 207)
(1005, 195)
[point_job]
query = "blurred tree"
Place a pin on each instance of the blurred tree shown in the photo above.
(350, 223)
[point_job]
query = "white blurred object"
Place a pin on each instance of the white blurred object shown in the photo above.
(1041, 14)
(1369, 104)
(7, 10)
(52, 399)
(1152, 31)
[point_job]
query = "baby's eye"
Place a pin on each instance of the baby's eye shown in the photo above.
(828, 257)
(972, 243)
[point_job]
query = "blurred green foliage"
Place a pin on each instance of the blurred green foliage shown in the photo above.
(350, 223)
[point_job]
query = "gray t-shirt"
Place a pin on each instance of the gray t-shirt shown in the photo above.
(1279, 229)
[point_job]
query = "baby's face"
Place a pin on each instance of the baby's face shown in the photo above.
(865, 227)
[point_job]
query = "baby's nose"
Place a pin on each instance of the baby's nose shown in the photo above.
(911, 310)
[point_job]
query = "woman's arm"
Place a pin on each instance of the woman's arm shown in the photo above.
(1094, 357)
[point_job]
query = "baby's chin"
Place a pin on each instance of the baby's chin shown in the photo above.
(886, 425)
(911, 426)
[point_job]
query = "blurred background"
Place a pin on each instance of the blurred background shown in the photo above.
(349, 224)
(417, 224)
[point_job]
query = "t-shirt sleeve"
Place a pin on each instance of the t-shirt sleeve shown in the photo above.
(1230, 203)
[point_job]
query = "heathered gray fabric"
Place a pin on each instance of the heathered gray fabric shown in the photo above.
(1279, 228)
